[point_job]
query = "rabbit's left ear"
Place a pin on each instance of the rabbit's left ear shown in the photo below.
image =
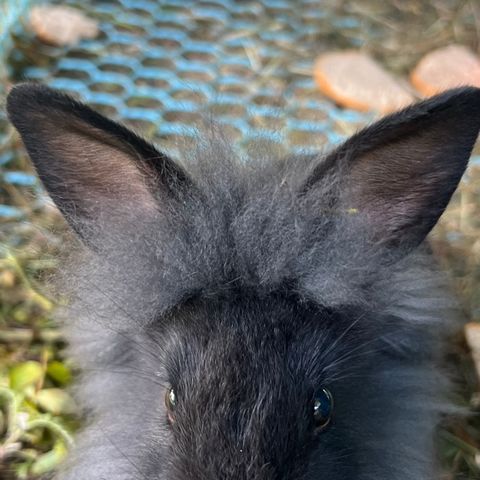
(400, 172)
(93, 168)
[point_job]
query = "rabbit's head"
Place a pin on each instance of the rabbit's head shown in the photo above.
(254, 318)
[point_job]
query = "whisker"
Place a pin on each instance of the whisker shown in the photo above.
(137, 373)
(348, 355)
(123, 454)
(345, 332)
(121, 333)
(349, 375)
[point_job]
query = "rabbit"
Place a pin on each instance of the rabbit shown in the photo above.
(254, 317)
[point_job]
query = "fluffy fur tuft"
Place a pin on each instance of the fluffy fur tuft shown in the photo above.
(248, 284)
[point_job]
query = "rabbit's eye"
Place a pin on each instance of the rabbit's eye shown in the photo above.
(322, 408)
(170, 402)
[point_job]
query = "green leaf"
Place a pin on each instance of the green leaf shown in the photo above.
(49, 461)
(56, 401)
(22, 470)
(59, 372)
(24, 375)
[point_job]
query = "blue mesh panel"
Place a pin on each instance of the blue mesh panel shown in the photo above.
(161, 66)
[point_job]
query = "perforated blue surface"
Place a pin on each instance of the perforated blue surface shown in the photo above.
(162, 65)
(10, 13)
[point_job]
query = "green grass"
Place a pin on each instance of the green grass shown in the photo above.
(37, 413)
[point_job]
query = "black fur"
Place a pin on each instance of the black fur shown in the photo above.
(248, 284)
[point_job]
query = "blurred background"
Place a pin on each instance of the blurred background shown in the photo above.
(275, 74)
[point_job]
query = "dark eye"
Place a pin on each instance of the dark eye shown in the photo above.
(322, 409)
(170, 402)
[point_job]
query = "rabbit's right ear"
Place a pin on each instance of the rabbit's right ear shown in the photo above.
(400, 172)
(93, 168)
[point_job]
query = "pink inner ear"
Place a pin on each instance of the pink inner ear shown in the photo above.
(95, 174)
(93, 168)
(104, 170)
(401, 172)
(401, 188)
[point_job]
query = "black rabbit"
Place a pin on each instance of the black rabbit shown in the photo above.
(254, 318)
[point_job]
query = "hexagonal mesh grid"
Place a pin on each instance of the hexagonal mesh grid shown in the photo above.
(162, 66)
(9, 15)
